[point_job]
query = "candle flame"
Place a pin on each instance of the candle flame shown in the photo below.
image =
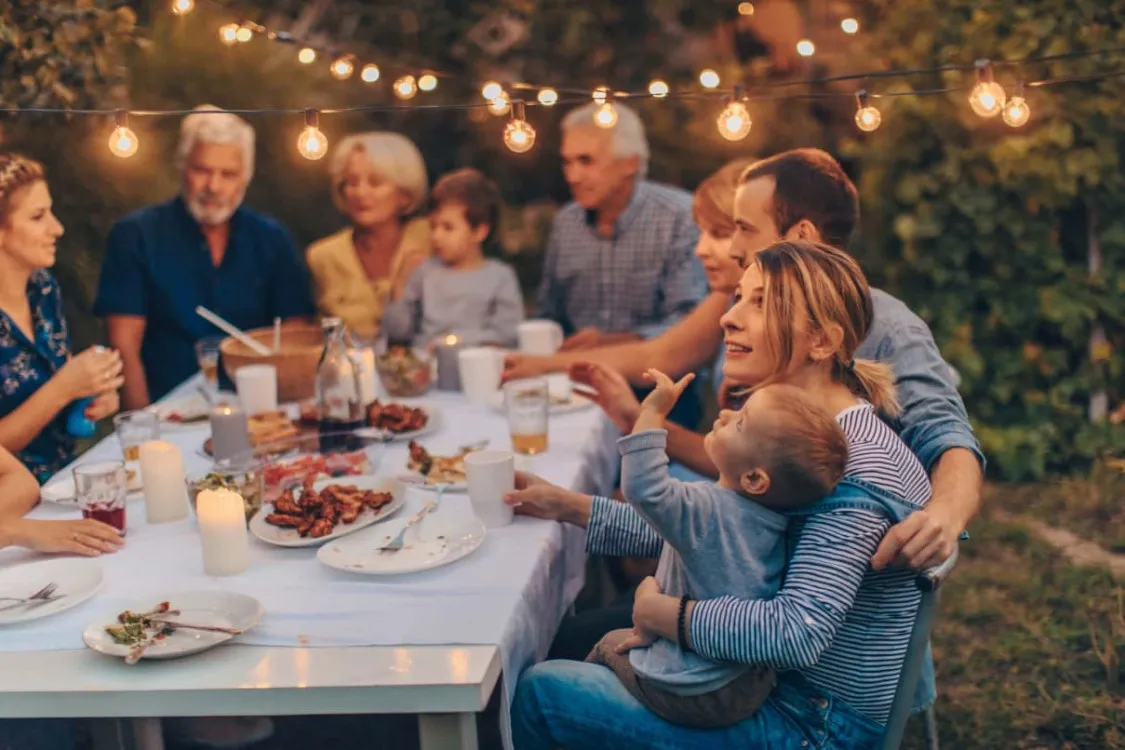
(450, 340)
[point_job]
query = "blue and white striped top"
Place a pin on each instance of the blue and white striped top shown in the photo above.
(845, 627)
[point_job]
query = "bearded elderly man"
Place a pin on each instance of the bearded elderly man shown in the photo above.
(203, 247)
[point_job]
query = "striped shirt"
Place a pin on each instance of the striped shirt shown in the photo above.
(845, 627)
(642, 279)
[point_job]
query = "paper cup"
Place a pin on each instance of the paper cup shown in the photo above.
(257, 388)
(480, 369)
(491, 475)
(541, 337)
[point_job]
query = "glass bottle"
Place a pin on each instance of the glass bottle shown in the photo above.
(338, 395)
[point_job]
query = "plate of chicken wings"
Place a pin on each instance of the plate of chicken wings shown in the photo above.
(318, 511)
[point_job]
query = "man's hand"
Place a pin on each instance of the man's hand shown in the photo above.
(665, 394)
(612, 392)
(587, 338)
(925, 539)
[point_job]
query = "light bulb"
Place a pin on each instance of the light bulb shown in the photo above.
(1016, 112)
(746, 9)
(849, 26)
(500, 105)
(805, 48)
(734, 122)
(519, 136)
(312, 144)
(306, 55)
(987, 98)
(491, 90)
(406, 87)
(229, 33)
(244, 34)
(123, 142)
(658, 88)
(342, 68)
(370, 73)
(867, 118)
(548, 97)
(605, 116)
(427, 82)
(600, 94)
(709, 79)
(182, 7)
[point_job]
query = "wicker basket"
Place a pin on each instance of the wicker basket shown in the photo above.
(301, 347)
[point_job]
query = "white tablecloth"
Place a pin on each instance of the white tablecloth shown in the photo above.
(512, 592)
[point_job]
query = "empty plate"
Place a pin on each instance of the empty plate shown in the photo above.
(76, 581)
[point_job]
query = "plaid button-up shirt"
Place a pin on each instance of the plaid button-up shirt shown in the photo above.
(642, 279)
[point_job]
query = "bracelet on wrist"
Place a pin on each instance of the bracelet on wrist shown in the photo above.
(681, 630)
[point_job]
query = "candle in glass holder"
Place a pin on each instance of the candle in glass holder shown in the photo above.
(448, 372)
(162, 472)
(230, 435)
(222, 529)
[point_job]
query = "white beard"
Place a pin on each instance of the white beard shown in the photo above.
(213, 215)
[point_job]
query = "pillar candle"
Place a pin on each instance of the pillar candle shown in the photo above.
(162, 473)
(222, 529)
(230, 435)
(448, 371)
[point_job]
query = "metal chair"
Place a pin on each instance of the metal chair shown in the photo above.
(929, 583)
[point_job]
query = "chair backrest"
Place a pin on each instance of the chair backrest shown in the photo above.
(929, 583)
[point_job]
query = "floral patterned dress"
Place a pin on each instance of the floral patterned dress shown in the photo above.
(25, 366)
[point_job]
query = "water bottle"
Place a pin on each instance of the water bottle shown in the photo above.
(339, 397)
(77, 423)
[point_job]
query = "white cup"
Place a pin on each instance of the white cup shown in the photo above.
(542, 337)
(257, 388)
(480, 368)
(491, 475)
(558, 385)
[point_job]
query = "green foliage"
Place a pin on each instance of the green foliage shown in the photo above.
(984, 230)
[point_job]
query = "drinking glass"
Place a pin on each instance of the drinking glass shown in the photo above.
(528, 402)
(207, 354)
(133, 429)
(101, 489)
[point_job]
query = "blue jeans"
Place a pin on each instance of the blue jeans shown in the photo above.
(580, 705)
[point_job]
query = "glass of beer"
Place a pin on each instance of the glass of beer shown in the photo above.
(527, 402)
(133, 429)
(207, 354)
(101, 492)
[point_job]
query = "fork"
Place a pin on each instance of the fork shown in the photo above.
(396, 544)
(42, 596)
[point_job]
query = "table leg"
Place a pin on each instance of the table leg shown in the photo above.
(148, 734)
(447, 731)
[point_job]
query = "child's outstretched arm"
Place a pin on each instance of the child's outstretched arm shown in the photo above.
(658, 404)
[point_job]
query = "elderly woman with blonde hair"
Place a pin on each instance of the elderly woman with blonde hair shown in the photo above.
(378, 182)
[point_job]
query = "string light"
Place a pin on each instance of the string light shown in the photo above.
(987, 97)
(867, 118)
(306, 55)
(708, 79)
(746, 9)
(370, 73)
(519, 136)
(849, 25)
(427, 82)
(123, 142)
(500, 105)
(228, 33)
(312, 144)
(605, 115)
(182, 7)
(548, 97)
(601, 94)
(734, 122)
(491, 90)
(658, 88)
(1016, 112)
(342, 68)
(406, 87)
(805, 48)
(244, 34)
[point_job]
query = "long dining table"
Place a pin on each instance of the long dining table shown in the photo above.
(435, 643)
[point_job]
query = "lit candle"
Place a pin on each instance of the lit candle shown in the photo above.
(230, 435)
(448, 372)
(162, 473)
(222, 529)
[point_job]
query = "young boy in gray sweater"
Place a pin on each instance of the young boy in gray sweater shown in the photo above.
(779, 451)
(459, 292)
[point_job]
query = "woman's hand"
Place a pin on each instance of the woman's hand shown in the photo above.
(518, 366)
(103, 406)
(666, 393)
(83, 537)
(612, 392)
(96, 370)
(535, 496)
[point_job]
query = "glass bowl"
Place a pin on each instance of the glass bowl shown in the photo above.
(246, 477)
(405, 372)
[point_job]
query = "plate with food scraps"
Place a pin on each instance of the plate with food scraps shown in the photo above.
(178, 625)
(429, 470)
(184, 411)
(46, 587)
(395, 421)
(442, 537)
(341, 506)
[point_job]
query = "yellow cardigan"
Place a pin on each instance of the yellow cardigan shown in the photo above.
(341, 284)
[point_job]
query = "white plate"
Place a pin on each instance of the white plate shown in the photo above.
(289, 538)
(225, 609)
(77, 579)
(575, 402)
(414, 479)
(60, 490)
(439, 539)
(192, 407)
(433, 424)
